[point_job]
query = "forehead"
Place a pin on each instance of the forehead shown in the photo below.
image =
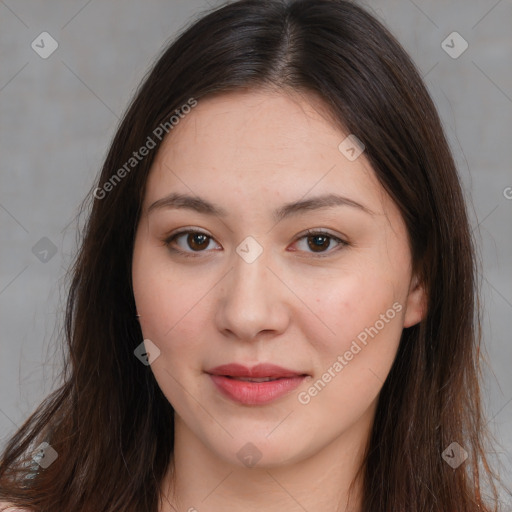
(255, 142)
(276, 124)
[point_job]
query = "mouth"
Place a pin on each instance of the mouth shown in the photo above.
(258, 385)
(249, 379)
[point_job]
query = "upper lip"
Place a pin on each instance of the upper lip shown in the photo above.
(261, 370)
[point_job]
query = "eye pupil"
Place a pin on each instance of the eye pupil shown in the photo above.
(320, 242)
(197, 241)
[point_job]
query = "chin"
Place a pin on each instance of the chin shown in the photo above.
(256, 450)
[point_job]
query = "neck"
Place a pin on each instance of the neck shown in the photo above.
(201, 480)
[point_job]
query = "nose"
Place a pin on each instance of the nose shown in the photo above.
(252, 301)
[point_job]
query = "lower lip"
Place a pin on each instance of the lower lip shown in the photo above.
(256, 393)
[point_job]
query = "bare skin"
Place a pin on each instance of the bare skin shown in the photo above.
(299, 304)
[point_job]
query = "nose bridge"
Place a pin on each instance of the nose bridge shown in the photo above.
(250, 278)
(252, 299)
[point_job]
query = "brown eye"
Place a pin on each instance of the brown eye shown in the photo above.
(197, 241)
(188, 242)
(318, 243)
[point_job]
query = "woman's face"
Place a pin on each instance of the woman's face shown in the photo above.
(243, 178)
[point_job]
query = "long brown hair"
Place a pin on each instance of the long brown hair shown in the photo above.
(109, 422)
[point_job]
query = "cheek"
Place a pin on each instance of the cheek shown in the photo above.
(363, 309)
(159, 306)
(172, 313)
(353, 363)
(172, 316)
(353, 302)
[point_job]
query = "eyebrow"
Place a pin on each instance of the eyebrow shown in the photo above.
(201, 205)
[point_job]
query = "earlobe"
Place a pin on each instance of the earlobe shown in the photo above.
(416, 304)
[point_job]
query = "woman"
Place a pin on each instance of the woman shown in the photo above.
(273, 304)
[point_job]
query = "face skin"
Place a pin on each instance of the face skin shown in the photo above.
(250, 153)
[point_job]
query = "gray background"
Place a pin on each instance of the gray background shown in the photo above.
(58, 115)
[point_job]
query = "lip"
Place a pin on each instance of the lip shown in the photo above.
(227, 380)
(261, 370)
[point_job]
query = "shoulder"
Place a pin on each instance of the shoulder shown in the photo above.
(9, 507)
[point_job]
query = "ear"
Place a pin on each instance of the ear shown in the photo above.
(416, 304)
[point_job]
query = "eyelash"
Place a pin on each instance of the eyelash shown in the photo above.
(308, 233)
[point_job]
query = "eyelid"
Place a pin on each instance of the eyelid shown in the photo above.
(319, 231)
(308, 232)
